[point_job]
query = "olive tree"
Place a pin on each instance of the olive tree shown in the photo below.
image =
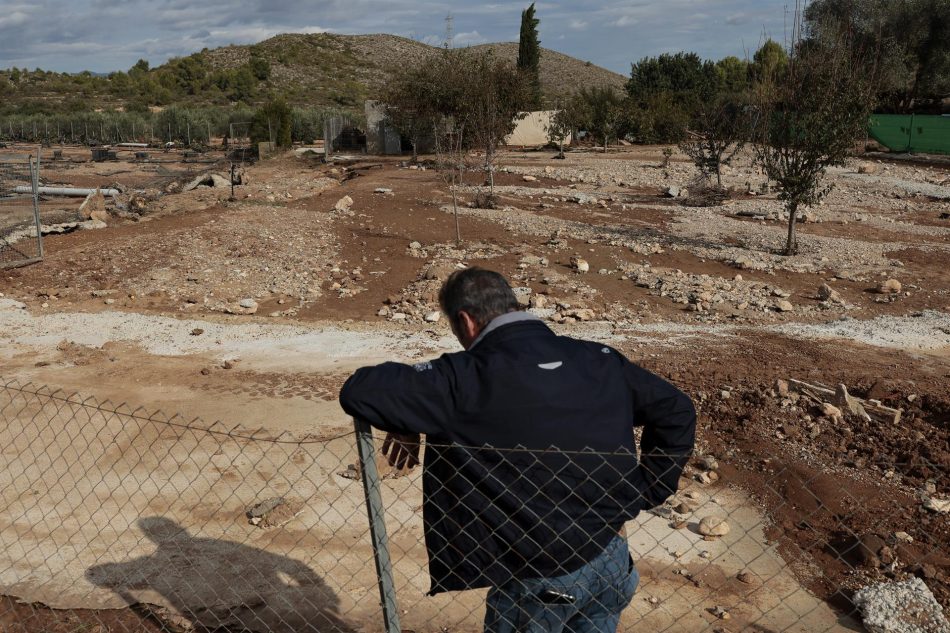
(411, 102)
(719, 133)
(492, 95)
(811, 113)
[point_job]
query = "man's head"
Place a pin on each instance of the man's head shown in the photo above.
(471, 298)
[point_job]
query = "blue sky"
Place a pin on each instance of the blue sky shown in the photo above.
(105, 35)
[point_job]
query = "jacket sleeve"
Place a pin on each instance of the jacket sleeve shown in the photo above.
(400, 398)
(668, 418)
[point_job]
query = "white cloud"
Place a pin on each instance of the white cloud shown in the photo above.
(68, 34)
(471, 38)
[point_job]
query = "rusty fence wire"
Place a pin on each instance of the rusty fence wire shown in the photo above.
(119, 519)
(21, 241)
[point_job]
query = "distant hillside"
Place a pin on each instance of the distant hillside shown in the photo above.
(309, 69)
(340, 69)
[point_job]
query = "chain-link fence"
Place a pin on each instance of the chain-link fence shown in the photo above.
(208, 528)
(21, 241)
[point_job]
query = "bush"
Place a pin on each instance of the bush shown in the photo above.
(273, 122)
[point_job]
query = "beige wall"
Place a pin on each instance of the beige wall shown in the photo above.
(532, 129)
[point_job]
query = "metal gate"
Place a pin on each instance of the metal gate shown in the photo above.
(21, 240)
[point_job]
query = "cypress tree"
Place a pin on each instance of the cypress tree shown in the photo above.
(529, 57)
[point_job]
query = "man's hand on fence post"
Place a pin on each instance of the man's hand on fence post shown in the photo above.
(402, 451)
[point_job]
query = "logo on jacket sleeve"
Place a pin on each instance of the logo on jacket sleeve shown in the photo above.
(424, 366)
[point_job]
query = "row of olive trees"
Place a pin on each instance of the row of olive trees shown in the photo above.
(459, 100)
(666, 96)
(801, 117)
(803, 113)
(171, 124)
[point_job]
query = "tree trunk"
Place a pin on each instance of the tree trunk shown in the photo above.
(791, 244)
(561, 146)
(718, 174)
(415, 152)
(605, 144)
(491, 172)
(455, 208)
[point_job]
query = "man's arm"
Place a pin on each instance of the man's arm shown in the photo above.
(668, 418)
(398, 398)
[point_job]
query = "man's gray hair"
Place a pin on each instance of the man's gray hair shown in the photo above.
(482, 294)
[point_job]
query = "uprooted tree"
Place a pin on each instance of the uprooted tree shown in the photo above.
(810, 114)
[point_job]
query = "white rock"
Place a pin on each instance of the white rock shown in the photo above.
(415, 245)
(900, 607)
(940, 506)
(529, 178)
(580, 265)
(891, 286)
(343, 204)
(248, 304)
(713, 526)
(827, 293)
(433, 317)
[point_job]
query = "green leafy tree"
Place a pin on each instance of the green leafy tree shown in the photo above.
(733, 75)
(561, 126)
(601, 112)
(666, 92)
(770, 61)
(912, 40)
(411, 102)
(139, 68)
(529, 57)
(239, 84)
(260, 67)
(273, 122)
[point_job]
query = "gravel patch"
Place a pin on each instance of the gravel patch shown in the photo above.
(928, 330)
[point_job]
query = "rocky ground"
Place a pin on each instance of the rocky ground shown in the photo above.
(603, 246)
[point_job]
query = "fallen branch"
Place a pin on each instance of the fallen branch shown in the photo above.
(867, 409)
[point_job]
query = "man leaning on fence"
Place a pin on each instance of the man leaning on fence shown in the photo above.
(530, 463)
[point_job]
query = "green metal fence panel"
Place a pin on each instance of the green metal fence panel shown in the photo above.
(927, 134)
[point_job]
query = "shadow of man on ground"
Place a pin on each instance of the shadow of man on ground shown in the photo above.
(218, 585)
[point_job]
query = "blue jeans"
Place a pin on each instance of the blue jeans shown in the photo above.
(601, 589)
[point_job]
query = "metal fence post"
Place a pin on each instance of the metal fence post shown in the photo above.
(377, 523)
(35, 185)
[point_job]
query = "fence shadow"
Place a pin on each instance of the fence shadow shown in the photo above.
(212, 584)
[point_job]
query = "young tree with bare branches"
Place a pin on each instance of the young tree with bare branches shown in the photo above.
(718, 133)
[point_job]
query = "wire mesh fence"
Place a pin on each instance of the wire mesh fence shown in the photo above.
(208, 528)
(21, 241)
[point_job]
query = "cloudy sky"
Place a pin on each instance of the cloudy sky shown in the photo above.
(105, 35)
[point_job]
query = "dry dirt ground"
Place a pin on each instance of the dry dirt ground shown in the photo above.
(253, 311)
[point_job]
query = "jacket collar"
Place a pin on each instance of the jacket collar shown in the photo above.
(506, 319)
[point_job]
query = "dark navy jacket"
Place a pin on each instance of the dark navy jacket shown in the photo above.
(519, 508)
